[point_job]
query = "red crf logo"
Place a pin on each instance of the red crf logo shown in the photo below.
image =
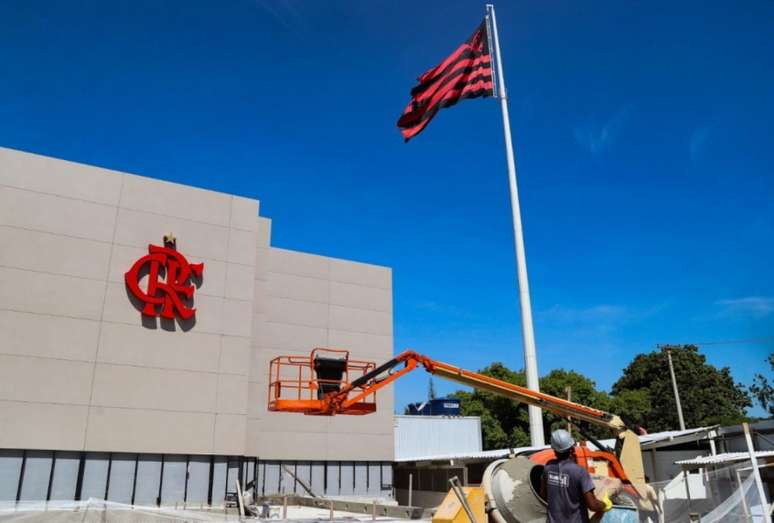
(164, 296)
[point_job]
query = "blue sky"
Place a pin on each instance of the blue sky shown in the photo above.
(643, 142)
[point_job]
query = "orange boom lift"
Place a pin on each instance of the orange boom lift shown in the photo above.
(328, 382)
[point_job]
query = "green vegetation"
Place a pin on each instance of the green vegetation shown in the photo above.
(708, 395)
(642, 395)
(762, 390)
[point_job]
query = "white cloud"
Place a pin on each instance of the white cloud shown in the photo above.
(596, 138)
(755, 306)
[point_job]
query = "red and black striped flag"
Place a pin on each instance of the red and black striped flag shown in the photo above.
(466, 73)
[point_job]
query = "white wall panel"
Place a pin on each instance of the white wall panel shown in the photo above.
(52, 175)
(427, 436)
(56, 215)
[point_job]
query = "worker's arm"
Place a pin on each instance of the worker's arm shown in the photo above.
(592, 503)
(595, 505)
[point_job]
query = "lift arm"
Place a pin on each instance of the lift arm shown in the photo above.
(350, 397)
(386, 374)
(627, 450)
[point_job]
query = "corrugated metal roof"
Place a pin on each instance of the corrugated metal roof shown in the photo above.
(419, 436)
(482, 455)
(728, 457)
(668, 437)
(647, 441)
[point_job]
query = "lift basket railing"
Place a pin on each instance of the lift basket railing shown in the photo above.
(300, 383)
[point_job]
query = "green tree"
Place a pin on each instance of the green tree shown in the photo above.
(762, 390)
(708, 395)
(582, 390)
(505, 422)
(634, 405)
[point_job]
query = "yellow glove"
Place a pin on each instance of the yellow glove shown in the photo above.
(607, 502)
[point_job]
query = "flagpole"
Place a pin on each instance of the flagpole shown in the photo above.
(528, 335)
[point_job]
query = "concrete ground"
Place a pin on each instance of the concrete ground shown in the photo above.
(100, 512)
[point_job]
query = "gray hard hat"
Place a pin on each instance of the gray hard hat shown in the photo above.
(562, 441)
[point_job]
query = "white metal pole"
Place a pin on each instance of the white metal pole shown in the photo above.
(757, 474)
(528, 335)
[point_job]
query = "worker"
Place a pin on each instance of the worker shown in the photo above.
(567, 487)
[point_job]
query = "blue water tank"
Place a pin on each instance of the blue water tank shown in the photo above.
(445, 407)
(436, 407)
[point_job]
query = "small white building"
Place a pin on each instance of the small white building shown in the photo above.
(420, 437)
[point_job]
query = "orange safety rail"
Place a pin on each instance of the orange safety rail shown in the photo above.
(294, 385)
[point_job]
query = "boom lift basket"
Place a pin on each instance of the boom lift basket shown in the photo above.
(301, 383)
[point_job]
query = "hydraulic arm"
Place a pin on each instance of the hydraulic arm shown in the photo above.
(385, 375)
(334, 389)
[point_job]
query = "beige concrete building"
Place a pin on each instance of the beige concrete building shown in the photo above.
(91, 386)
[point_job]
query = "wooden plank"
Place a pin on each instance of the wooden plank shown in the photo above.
(391, 511)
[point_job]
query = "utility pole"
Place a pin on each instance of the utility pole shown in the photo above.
(668, 350)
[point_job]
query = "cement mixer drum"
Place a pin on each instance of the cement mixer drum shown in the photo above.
(512, 489)
(510, 486)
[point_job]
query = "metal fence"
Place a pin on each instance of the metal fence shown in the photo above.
(371, 479)
(711, 495)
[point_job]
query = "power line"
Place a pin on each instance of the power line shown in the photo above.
(764, 339)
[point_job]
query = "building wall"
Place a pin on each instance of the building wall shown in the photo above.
(659, 464)
(310, 301)
(80, 369)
